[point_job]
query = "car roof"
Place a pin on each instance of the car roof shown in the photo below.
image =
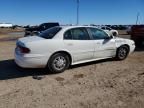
(70, 27)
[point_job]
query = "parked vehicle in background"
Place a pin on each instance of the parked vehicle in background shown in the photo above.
(6, 25)
(109, 30)
(118, 27)
(137, 34)
(59, 47)
(35, 30)
(128, 30)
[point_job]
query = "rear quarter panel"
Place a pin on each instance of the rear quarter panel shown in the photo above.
(46, 47)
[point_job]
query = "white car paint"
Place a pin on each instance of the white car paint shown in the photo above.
(81, 51)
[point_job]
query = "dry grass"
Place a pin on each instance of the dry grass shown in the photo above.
(9, 30)
(102, 84)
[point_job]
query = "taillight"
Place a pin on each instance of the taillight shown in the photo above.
(24, 49)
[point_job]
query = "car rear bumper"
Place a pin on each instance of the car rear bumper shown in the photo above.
(30, 62)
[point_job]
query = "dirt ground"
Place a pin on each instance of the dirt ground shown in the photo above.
(101, 84)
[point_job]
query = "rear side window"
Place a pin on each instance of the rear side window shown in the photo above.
(68, 35)
(77, 34)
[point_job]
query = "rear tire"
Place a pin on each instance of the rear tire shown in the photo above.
(58, 63)
(122, 53)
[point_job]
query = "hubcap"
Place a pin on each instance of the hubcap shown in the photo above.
(59, 63)
(122, 53)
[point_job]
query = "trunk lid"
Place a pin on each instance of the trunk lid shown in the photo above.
(30, 39)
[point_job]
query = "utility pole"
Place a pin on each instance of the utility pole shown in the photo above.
(137, 19)
(78, 12)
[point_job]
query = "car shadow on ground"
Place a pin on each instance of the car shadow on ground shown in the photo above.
(9, 70)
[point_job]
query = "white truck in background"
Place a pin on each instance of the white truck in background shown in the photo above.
(5, 25)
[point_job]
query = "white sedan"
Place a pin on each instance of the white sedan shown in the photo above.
(59, 47)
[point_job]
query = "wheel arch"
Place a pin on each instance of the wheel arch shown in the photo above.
(124, 45)
(64, 52)
(117, 57)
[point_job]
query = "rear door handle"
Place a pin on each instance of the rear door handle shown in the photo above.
(69, 44)
(98, 43)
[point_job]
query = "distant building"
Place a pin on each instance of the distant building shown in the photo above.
(7, 25)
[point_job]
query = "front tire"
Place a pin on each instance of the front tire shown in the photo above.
(58, 63)
(122, 53)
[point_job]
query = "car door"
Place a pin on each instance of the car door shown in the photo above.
(79, 43)
(104, 45)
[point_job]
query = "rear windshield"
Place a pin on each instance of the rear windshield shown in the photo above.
(50, 33)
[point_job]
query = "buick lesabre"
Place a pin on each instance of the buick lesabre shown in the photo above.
(59, 47)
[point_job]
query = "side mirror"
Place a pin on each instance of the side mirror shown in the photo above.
(109, 37)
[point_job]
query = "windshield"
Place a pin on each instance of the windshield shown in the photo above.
(50, 33)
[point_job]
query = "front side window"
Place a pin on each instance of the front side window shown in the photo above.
(50, 33)
(98, 34)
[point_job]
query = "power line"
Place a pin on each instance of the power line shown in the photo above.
(137, 19)
(78, 1)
